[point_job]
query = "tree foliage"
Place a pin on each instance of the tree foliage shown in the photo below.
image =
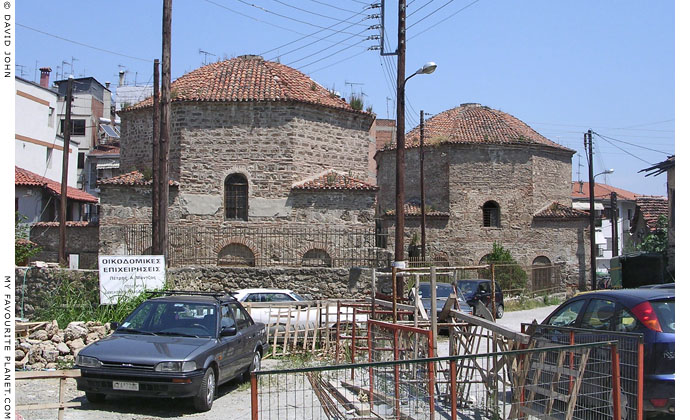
(23, 247)
(657, 239)
(508, 273)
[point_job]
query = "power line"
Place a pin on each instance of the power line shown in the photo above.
(252, 17)
(328, 56)
(335, 7)
(318, 40)
(314, 13)
(84, 45)
(307, 36)
(441, 21)
(338, 62)
(418, 9)
(263, 9)
(422, 19)
(633, 144)
(625, 151)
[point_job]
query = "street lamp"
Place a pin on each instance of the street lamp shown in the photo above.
(606, 172)
(399, 262)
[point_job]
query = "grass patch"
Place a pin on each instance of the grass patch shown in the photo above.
(74, 301)
(524, 303)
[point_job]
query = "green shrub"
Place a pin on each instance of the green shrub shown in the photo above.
(509, 275)
(23, 247)
(74, 301)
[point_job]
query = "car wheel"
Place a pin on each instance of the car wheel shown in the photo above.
(255, 365)
(94, 397)
(499, 311)
(204, 398)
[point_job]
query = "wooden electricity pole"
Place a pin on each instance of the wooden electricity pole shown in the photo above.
(165, 129)
(421, 182)
(155, 166)
(66, 134)
(592, 228)
(614, 222)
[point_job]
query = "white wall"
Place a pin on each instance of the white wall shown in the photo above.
(35, 121)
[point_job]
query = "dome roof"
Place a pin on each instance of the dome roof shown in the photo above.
(474, 123)
(249, 78)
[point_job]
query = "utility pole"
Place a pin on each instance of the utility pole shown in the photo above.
(400, 150)
(155, 166)
(165, 128)
(67, 128)
(614, 222)
(421, 182)
(592, 236)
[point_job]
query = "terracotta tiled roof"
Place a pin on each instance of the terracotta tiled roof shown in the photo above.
(559, 211)
(23, 177)
(249, 78)
(105, 149)
(332, 180)
(415, 209)
(68, 224)
(474, 123)
(600, 191)
(132, 178)
(652, 208)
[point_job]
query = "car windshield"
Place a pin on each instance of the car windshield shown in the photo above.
(666, 312)
(468, 287)
(172, 318)
(442, 290)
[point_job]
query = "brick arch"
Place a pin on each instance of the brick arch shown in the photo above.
(305, 250)
(237, 241)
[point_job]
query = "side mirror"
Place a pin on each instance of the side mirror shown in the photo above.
(228, 331)
(114, 325)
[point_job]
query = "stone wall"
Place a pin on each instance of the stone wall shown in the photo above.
(459, 179)
(320, 283)
(274, 144)
(81, 240)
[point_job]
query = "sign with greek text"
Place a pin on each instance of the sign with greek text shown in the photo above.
(128, 275)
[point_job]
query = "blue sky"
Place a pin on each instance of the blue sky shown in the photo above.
(561, 66)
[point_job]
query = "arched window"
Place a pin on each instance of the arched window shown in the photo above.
(542, 273)
(491, 214)
(316, 258)
(236, 255)
(236, 197)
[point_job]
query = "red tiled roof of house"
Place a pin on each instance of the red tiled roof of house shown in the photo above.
(474, 123)
(332, 180)
(652, 207)
(414, 209)
(559, 211)
(132, 178)
(249, 78)
(23, 177)
(600, 191)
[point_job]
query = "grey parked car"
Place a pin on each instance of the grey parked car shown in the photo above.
(181, 344)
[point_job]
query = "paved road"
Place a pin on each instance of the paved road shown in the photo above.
(513, 320)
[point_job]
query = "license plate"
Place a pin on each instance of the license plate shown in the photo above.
(126, 386)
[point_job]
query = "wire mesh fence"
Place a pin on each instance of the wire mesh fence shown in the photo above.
(558, 382)
(631, 360)
(261, 246)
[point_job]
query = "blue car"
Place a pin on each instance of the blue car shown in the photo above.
(648, 311)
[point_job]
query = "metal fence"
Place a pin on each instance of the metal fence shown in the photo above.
(631, 366)
(560, 382)
(261, 246)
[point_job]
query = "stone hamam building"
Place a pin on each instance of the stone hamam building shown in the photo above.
(261, 159)
(488, 178)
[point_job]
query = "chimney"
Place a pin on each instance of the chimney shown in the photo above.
(581, 184)
(107, 85)
(45, 76)
(122, 78)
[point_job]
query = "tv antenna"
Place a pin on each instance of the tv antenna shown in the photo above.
(206, 54)
(21, 70)
(352, 84)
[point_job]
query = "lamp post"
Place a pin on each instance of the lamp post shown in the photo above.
(428, 68)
